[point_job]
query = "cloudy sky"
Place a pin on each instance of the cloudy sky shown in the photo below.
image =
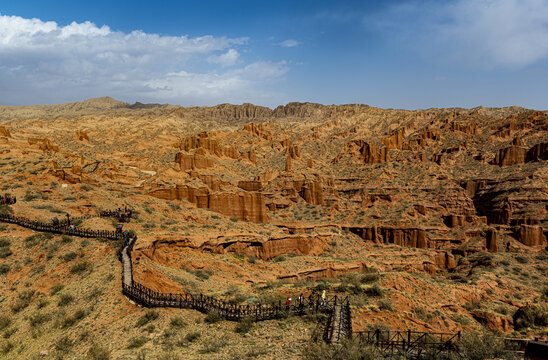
(390, 53)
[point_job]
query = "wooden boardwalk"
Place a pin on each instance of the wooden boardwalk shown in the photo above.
(338, 327)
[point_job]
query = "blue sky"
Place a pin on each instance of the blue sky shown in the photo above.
(392, 54)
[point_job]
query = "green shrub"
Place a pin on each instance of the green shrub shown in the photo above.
(55, 288)
(64, 344)
(522, 259)
(80, 267)
(6, 347)
(252, 259)
(4, 269)
(369, 276)
(213, 346)
(279, 258)
(65, 299)
(149, 316)
(482, 346)
(23, 300)
(97, 352)
(349, 349)
(374, 291)
(244, 326)
(69, 256)
(38, 319)
(5, 321)
(192, 336)
(530, 315)
(178, 322)
(386, 305)
(137, 342)
(212, 317)
(66, 239)
(6, 210)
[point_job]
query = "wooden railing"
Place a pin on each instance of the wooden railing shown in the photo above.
(409, 343)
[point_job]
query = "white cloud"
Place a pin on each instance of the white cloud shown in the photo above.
(289, 43)
(227, 59)
(484, 33)
(42, 62)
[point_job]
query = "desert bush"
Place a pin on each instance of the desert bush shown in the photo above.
(349, 349)
(97, 352)
(530, 315)
(244, 326)
(64, 344)
(80, 267)
(386, 305)
(66, 239)
(6, 347)
(482, 346)
(6, 210)
(212, 317)
(30, 196)
(369, 276)
(39, 318)
(192, 336)
(177, 322)
(55, 288)
(137, 342)
(69, 256)
(374, 291)
(522, 259)
(22, 301)
(5, 321)
(279, 258)
(237, 299)
(65, 299)
(149, 316)
(252, 259)
(213, 346)
(4, 269)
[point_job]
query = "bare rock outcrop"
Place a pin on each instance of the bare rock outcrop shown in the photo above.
(491, 240)
(537, 152)
(44, 144)
(411, 237)
(81, 136)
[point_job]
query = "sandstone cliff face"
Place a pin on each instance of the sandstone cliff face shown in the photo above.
(395, 141)
(411, 237)
(537, 152)
(531, 235)
(367, 152)
(258, 130)
(510, 156)
(202, 141)
(491, 240)
(246, 206)
(192, 162)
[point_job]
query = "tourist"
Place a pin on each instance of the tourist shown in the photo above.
(323, 298)
(287, 303)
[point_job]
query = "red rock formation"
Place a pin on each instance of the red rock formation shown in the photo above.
(202, 140)
(4, 132)
(250, 185)
(192, 162)
(258, 130)
(531, 235)
(491, 240)
(293, 151)
(512, 155)
(309, 163)
(412, 237)
(312, 193)
(395, 141)
(373, 156)
(537, 152)
(81, 136)
(43, 144)
(247, 206)
(471, 129)
(250, 156)
(453, 221)
(288, 166)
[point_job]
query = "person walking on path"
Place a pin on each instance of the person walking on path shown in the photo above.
(287, 303)
(324, 296)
